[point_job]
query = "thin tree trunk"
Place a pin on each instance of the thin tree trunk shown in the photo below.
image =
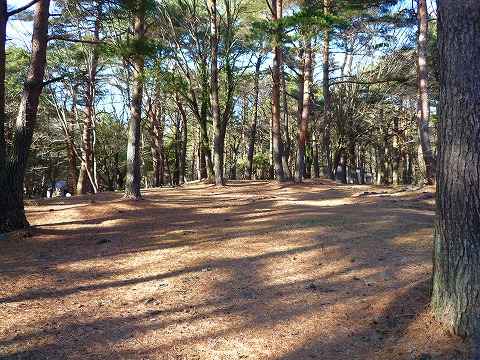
(327, 115)
(456, 269)
(183, 155)
(70, 146)
(253, 125)
(427, 160)
(87, 146)
(217, 123)
(277, 147)
(353, 160)
(305, 115)
(286, 126)
(316, 163)
(395, 153)
(133, 182)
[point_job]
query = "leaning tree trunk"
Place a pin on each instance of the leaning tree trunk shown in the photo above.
(456, 276)
(132, 185)
(13, 213)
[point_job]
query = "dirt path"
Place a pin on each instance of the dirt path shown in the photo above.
(253, 270)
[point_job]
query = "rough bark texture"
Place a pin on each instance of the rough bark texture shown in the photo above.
(12, 214)
(183, 155)
(302, 133)
(327, 119)
(456, 278)
(277, 146)
(132, 185)
(426, 158)
(395, 153)
(217, 123)
(253, 125)
(87, 148)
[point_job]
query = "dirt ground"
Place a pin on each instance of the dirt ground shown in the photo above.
(253, 270)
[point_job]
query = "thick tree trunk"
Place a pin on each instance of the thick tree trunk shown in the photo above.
(12, 215)
(456, 277)
(427, 161)
(305, 115)
(277, 145)
(253, 125)
(133, 182)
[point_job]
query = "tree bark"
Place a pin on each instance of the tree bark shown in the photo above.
(327, 113)
(395, 153)
(217, 122)
(88, 123)
(253, 125)
(426, 159)
(133, 182)
(277, 146)
(456, 271)
(305, 115)
(183, 155)
(12, 214)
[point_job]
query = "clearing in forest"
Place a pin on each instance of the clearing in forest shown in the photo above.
(252, 270)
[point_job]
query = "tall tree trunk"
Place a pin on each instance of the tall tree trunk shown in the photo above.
(86, 168)
(316, 164)
(456, 270)
(253, 125)
(353, 160)
(395, 153)
(426, 159)
(287, 144)
(12, 215)
(183, 155)
(327, 112)
(133, 182)
(71, 153)
(217, 123)
(302, 133)
(277, 147)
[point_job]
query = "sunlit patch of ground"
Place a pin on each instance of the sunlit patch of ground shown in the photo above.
(253, 270)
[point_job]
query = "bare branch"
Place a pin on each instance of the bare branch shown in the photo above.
(20, 9)
(400, 80)
(93, 42)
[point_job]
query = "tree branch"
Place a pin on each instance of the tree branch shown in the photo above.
(93, 42)
(20, 9)
(45, 83)
(400, 80)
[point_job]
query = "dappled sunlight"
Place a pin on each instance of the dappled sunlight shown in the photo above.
(222, 273)
(318, 203)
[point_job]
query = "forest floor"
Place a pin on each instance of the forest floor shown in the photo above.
(252, 270)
